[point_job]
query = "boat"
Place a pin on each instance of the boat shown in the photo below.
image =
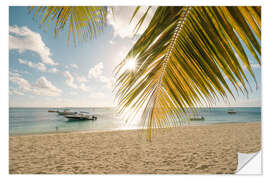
(231, 111)
(52, 111)
(81, 116)
(197, 118)
(66, 112)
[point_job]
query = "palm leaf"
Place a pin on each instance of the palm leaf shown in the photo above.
(186, 58)
(84, 22)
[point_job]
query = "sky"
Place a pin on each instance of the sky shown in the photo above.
(45, 71)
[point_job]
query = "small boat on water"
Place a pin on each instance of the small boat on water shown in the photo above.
(66, 112)
(81, 116)
(231, 111)
(197, 118)
(52, 111)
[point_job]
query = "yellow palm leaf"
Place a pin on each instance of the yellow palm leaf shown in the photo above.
(186, 58)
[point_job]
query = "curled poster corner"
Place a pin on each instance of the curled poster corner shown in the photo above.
(249, 163)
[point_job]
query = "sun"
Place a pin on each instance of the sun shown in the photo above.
(130, 65)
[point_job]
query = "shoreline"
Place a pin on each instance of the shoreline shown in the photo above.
(115, 130)
(209, 149)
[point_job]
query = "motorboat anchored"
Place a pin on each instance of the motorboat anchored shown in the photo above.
(231, 111)
(66, 112)
(81, 116)
(197, 118)
(52, 111)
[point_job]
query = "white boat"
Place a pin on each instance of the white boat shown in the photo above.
(66, 112)
(231, 111)
(197, 118)
(81, 116)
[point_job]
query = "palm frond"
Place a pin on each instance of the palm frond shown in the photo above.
(84, 22)
(186, 58)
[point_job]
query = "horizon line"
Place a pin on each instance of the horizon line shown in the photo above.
(115, 106)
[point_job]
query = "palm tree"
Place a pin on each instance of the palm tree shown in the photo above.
(84, 22)
(187, 57)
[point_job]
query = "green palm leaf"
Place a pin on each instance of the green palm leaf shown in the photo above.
(186, 58)
(84, 22)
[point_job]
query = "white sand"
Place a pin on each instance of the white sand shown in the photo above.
(192, 149)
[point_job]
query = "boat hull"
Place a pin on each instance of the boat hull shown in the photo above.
(52, 111)
(65, 113)
(79, 118)
(199, 118)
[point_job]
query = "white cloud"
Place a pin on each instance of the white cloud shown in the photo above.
(70, 80)
(20, 72)
(111, 42)
(121, 20)
(104, 79)
(14, 91)
(75, 66)
(97, 95)
(45, 87)
(108, 81)
(39, 66)
(53, 70)
(73, 93)
(80, 78)
(22, 83)
(72, 66)
(23, 39)
(83, 87)
(13, 74)
(96, 72)
(42, 87)
(122, 52)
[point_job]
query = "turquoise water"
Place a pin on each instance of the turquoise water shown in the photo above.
(39, 120)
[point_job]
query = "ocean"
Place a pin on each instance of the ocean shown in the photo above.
(39, 120)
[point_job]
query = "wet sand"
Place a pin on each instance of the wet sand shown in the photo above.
(208, 149)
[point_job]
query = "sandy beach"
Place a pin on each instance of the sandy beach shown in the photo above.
(210, 149)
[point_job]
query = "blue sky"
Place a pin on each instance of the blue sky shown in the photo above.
(47, 72)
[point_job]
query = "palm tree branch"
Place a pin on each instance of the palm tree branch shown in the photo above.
(83, 22)
(180, 70)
